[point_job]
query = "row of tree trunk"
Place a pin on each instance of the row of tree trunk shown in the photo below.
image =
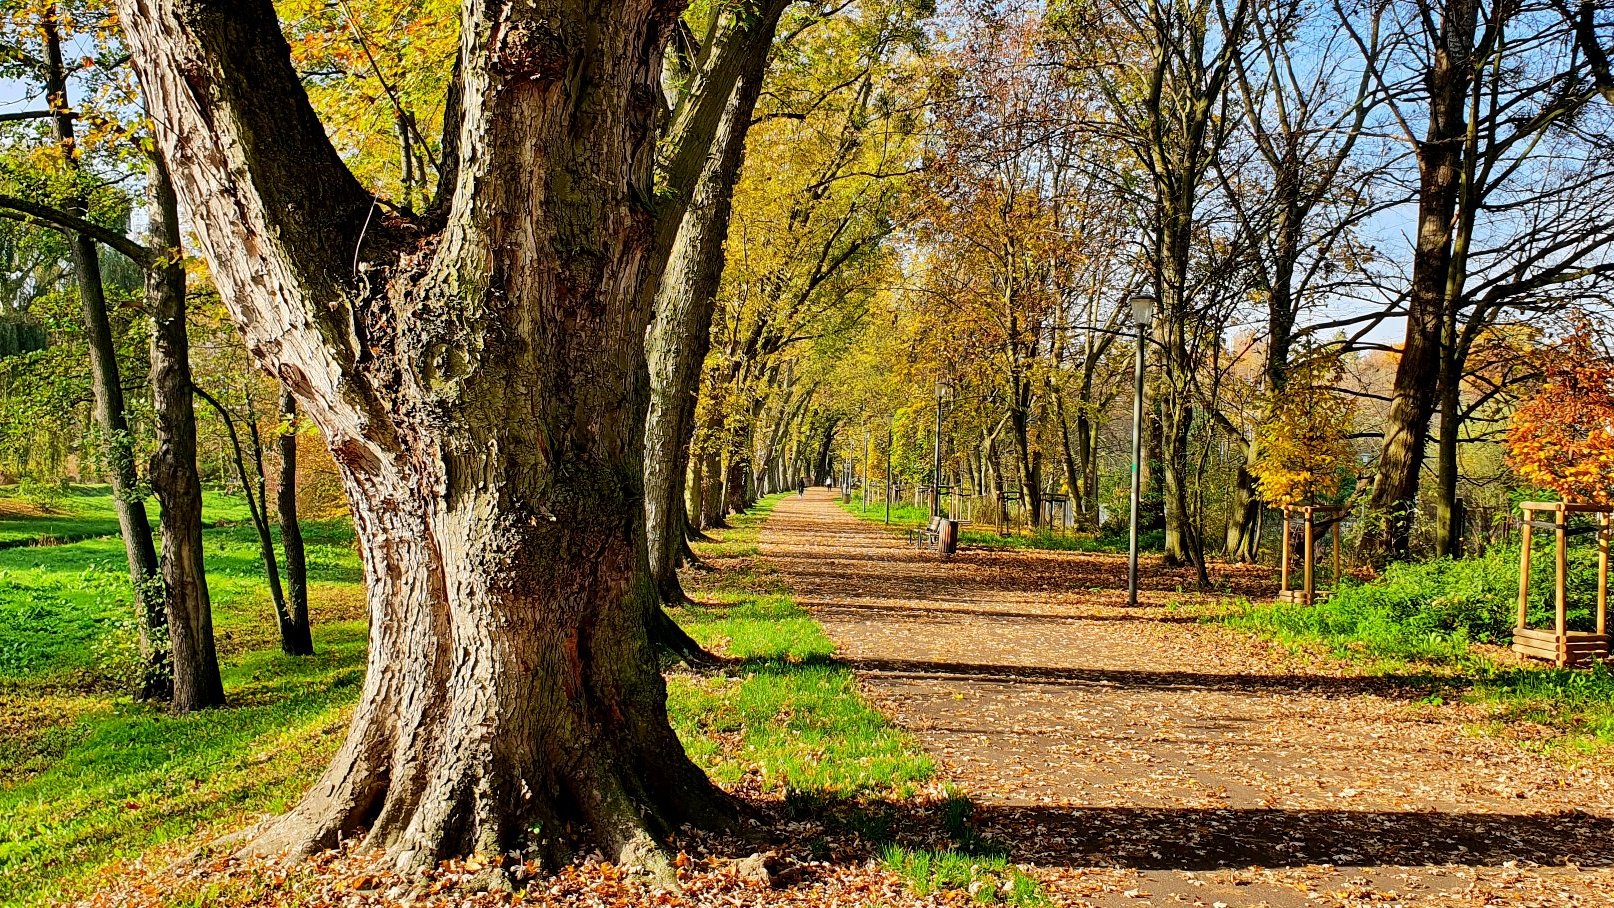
(177, 650)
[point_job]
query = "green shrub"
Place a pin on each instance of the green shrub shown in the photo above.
(1434, 609)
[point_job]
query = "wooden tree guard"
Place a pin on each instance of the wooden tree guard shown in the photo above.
(1560, 645)
(1307, 517)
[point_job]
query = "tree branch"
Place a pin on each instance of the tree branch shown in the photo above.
(57, 219)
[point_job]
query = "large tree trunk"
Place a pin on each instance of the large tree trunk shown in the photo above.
(1417, 378)
(106, 385)
(481, 383)
(296, 636)
(189, 612)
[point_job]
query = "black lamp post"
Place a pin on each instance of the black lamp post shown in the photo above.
(1143, 317)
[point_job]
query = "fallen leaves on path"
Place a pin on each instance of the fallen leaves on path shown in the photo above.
(1134, 755)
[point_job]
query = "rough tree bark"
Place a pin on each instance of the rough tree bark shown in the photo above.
(479, 376)
(111, 419)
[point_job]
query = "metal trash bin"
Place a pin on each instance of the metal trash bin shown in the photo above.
(947, 537)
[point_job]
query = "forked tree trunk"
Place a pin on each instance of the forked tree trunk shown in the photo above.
(1417, 377)
(1243, 513)
(480, 380)
(189, 611)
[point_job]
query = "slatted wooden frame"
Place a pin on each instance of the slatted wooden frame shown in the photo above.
(1306, 517)
(1561, 646)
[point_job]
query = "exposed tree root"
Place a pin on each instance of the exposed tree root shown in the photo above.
(672, 639)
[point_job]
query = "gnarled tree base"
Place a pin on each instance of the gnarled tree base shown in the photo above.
(556, 803)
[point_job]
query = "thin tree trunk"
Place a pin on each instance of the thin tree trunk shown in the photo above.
(1448, 539)
(1086, 444)
(1073, 470)
(111, 419)
(253, 488)
(296, 636)
(188, 609)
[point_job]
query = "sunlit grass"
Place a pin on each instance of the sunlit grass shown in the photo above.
(786, 716)
(81, 512)
(1577, 705)
(92, 778)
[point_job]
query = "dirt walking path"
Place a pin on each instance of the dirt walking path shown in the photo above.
(1138, 758)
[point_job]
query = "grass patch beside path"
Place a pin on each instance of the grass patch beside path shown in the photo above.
(787, 717)
(93, 779)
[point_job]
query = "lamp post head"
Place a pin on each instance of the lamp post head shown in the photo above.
(1142, 309)
(943, 388)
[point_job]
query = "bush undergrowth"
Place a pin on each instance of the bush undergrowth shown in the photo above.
(1432, 617)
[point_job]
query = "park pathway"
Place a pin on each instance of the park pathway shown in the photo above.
(1139, 758)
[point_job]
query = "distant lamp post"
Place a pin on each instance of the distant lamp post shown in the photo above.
(1143, 318)
(942, 390)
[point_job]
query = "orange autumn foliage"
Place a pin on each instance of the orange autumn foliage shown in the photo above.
(1562, 438)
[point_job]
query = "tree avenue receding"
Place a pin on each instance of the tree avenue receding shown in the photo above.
(479, 375)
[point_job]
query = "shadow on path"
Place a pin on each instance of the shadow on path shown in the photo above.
(1388, 686)
(1198, 839)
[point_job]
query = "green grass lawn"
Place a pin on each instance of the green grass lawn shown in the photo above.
(80, 512)
(68, 611)
(92, 778)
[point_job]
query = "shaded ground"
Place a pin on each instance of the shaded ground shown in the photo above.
(1135, 757)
